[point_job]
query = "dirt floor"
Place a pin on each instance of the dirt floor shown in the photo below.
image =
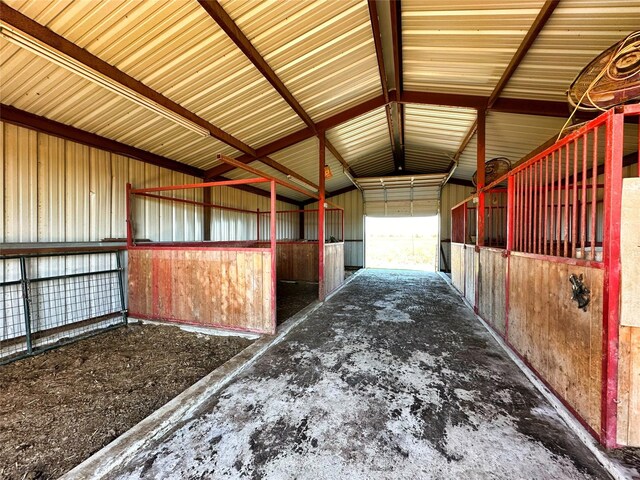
(293, 297)
(58, 408)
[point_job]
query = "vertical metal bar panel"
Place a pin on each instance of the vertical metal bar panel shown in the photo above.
(24, 279)
(529, 207)
(273, 245)
(342, 224)
(552, 206)
(516, 205)
(611, 259)
(540, 224)
(545, 242)
(558, 207)
(566, 202)
(594, 193)
(574, 205)
(583, 202)
(321, 213)
(511, 181)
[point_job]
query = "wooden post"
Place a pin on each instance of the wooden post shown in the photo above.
(480, 180)
(321, 193)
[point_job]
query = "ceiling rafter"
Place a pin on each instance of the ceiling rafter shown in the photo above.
(533, 32)
(15, 116)
(226, 23)
(58, 43)
(395, 9)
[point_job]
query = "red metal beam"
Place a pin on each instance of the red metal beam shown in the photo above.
(535, 29)
(56, 42)
(445, 99)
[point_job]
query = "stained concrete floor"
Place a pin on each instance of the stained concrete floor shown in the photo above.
(393, 378)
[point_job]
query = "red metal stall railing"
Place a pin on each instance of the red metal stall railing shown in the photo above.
(564, 205)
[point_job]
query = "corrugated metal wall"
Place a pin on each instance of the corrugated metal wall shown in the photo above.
(353, 226)
(450, 196)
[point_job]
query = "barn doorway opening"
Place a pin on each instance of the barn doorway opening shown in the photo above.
(406, 243)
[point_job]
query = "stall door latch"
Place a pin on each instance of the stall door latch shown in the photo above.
(581, 293)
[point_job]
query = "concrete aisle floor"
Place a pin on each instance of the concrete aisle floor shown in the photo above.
(393, 378)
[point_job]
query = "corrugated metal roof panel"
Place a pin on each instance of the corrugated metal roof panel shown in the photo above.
(364, 143)
(433, 135)
(175, 48)
(322, 51)
(42, 88)
(576, 33)
(461, 46)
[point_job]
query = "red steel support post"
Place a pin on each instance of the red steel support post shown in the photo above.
(321, 193)
(611, 259)
(480, 180)
(206, 214)
(511, 187)
(258, 225)
(274, 252)
(129, 226)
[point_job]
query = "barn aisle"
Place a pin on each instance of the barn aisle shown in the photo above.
(393, 378)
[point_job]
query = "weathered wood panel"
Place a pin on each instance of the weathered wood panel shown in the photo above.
(630, 253)
(333, 266)
(217, 288)
(629, 387)
(297, 261)
(561, 342)
(457, 266)
(492, 288)
(470, 269)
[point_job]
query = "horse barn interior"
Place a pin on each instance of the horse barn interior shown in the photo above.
(195, 194)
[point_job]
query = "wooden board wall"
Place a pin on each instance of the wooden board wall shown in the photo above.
(629, 387)
(457, 266)
(470, 268)
(562, 343)
(297, 262)
(221, 288)
(492, 288)
(333, 266)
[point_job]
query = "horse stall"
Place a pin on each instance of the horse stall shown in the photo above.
(551, 264)
(242, 281)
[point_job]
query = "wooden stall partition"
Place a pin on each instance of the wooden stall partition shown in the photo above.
(333, 266)
(457, 266)
(221, 288)
(562, 343)
(492, 267)
(628, 431)
(297, 261)
(470, 272)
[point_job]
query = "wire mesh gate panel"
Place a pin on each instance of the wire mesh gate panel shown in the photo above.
(51, 299)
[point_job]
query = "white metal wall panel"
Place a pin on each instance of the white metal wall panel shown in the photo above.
(462, 46)
(576, 33)
(353, 226)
